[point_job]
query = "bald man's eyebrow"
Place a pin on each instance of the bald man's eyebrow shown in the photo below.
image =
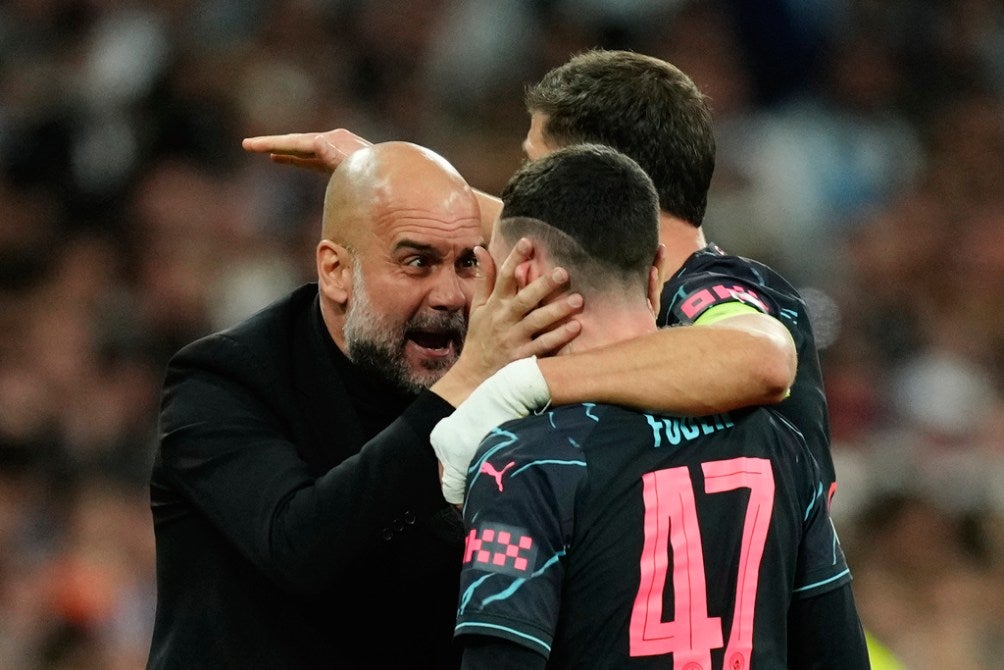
(416, 246)
(423, 248)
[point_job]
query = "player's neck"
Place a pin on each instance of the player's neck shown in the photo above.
(681, 239)
(601, 327)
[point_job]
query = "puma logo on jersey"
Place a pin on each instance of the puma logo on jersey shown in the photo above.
(489, 469)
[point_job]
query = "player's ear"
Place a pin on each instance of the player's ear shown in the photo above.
(660, 263)
(654, 290)
(655, 280)
(525, 273)
(532, 268)
(334, 271)
(537, 264)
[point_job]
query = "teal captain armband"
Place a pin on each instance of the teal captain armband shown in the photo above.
(724, 310)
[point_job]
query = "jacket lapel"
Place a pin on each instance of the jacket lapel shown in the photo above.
(335, 432)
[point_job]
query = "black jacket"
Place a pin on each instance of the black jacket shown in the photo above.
(285, 539)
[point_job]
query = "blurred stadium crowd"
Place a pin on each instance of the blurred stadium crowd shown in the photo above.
(861, 151)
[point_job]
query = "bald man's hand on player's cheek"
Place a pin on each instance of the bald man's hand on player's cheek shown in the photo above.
(509, 323)
(321, 151)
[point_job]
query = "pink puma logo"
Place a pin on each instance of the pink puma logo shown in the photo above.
(488, 469)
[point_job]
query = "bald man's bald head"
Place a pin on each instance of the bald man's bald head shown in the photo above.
(390, 176)
(396, 265)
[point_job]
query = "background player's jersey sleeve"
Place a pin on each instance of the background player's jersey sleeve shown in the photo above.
(821, 565)
(691, 297)
(518, 517)
(710, 284)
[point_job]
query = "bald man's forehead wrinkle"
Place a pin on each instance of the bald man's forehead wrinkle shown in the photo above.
(452, 217)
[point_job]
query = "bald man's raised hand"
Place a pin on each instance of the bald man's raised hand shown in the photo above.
(321, 151)
(508, 323)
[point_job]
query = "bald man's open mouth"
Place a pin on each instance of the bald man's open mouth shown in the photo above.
(435, 343)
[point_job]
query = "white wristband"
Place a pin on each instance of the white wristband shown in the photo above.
(511, 393)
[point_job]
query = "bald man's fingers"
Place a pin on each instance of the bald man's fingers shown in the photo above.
(547, 328)
(485, 282)
(294, 149)
(550, 341)
(505, 281)
(292, 144)
(323, 151)
(306, 163)
(536, 291)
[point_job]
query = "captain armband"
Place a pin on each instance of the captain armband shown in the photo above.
(724, 310)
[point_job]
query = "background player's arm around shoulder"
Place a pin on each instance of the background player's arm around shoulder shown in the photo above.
(744, 359)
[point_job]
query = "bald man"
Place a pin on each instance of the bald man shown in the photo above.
(297, 510)
(396, 279)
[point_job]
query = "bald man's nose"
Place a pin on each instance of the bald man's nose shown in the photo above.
(448, 292)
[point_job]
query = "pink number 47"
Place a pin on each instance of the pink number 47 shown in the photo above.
(671, 520)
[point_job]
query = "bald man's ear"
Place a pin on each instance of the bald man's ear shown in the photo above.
(334, 271)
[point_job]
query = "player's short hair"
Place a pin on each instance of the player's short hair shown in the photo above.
(641, 106)
(600, 209)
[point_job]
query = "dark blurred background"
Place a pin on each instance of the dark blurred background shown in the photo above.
(861, 152)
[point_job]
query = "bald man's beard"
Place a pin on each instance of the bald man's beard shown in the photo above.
(377, 341)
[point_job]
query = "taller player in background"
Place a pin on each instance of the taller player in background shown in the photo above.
(652, 112)
(599, 536)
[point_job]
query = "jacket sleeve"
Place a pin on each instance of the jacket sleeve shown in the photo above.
(225, 452)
